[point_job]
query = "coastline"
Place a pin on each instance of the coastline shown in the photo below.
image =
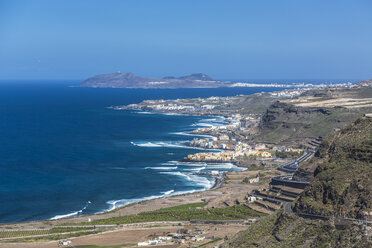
(222, 192)
(218, 182)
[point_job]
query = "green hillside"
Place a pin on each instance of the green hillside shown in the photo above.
(342, 185)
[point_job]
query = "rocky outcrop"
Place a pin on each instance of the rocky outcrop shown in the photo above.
(282, 230)
(284, 122)
(342, 181)
(284, 114)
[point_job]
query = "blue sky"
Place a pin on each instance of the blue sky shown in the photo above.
(262, 39)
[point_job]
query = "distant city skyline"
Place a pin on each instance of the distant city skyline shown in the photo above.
(75, 39)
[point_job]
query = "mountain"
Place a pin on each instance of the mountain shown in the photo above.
(130, 80)
(197, 76)
(341, 186)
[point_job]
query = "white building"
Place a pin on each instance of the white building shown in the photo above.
(254, 180)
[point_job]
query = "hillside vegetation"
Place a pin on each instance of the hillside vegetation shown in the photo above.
(283, 230)
(342, 185)
(285, 122)
(343, 180)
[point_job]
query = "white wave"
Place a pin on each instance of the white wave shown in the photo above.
(168, 192)
(202, 181)
(144, 112)
(204, 165)
(194, 179)
(163, 113)
(123, 202)
(146, 144)
(173, 114)
(191, 134)
(165, 144)
(162, 168)
(224, 166)
(196, 169)
(202, 124)
(178, 163)
(177, 173)
(62, 216)
(180, 114)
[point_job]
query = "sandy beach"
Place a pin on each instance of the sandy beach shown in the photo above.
(231, 191)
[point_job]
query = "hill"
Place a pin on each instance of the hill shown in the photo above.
(315, 113)
(285, 122)
(342, 185)
(130, 80)
(343, 179)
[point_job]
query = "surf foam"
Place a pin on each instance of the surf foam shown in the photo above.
(76, 213)
(162, 168)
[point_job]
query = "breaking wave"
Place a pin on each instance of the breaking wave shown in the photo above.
(194, 179)
(162, 168)
(166, 144)
(73, 214)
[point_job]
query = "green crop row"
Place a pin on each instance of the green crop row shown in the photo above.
(185, 212)
(27, 233)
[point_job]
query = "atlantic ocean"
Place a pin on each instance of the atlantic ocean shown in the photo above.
(63, 152)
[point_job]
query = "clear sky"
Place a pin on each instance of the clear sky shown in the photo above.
(258, 39)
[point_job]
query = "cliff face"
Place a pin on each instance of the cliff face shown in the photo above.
(286, 122)
(342, 181)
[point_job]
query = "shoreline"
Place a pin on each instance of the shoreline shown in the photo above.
(218, 182)
(214, 195)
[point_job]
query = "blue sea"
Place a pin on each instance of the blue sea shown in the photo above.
(64, 153)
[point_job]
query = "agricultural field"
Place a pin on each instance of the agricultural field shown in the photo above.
(186, 212)
(55, 230)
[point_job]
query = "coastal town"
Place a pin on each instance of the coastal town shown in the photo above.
(231, 137)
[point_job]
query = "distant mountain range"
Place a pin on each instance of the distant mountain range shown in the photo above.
(130, 80)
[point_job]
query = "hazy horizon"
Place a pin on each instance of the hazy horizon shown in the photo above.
(60, 40)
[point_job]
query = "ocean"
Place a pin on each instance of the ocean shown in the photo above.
(64, 153)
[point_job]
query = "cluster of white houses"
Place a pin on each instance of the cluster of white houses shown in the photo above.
(178, 238)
